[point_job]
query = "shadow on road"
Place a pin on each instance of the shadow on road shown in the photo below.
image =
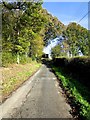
(69, 99)
(46, 62)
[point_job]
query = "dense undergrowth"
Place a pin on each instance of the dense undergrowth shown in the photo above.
(69, 72)
(9, 58)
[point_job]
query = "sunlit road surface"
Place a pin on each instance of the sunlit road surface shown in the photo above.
(42, 98)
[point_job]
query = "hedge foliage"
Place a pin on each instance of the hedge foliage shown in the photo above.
(78, 67)
(74, 74)
(77, 94)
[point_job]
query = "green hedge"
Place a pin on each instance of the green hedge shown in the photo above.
(77, 92)
(78, 67)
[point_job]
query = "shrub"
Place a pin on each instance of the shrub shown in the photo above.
(24, 59)
(8, 58)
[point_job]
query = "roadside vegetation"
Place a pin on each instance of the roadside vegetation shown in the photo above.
(71, 63)
(26, 28)
(14, 75)
(74, 75)
(77, 67)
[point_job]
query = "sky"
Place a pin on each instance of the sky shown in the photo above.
(68, 12)
(52, 43)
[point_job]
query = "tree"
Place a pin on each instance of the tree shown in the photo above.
(56, 51)
(77, 39)
(53, 27)
(36, 47)
(22, 22)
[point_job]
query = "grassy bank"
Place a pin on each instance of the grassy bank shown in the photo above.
(14, 75)
(76, 92)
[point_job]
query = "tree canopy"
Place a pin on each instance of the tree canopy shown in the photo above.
(27, 28)
(76, 41)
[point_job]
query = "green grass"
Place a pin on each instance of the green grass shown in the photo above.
(15, 75)
(77, 90)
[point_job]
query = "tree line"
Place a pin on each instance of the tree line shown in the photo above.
(26, 28)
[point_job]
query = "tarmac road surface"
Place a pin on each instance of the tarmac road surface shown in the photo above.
(40, 98)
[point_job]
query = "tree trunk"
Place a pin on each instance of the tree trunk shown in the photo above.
(18, 59)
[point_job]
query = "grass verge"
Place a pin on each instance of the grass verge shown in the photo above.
(77, 92)
(15, 75)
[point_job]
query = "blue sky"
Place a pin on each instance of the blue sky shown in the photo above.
(68, 12)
